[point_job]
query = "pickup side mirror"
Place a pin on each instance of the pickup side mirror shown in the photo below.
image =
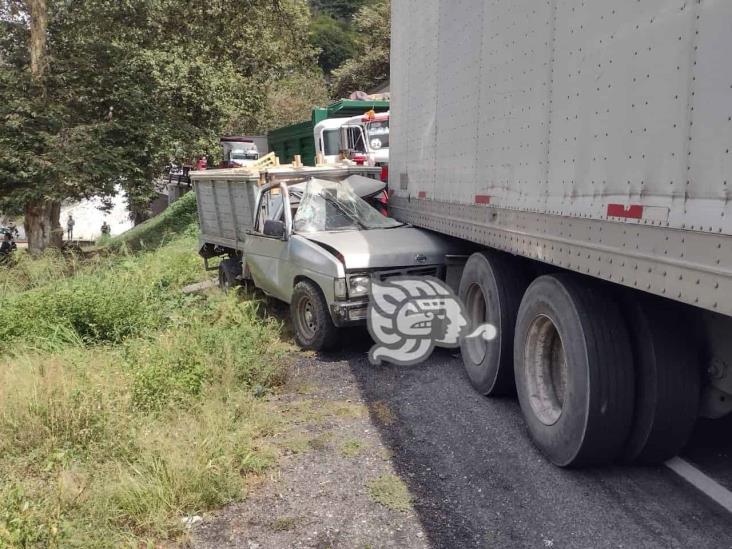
(274, 228)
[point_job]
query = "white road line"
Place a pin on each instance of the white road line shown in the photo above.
(701, 482)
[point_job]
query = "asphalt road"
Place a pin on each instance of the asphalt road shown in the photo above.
(479, 482)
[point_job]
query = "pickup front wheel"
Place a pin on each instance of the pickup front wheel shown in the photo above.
(314, 329)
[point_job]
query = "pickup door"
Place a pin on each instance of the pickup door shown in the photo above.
(268, 253)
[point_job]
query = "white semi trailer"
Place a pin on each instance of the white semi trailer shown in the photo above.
(585, 145)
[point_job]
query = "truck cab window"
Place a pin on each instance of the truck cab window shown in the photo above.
(356, 140)
(270, 207)
(331, 142)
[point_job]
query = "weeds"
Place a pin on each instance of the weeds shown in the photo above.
(179, 219)
(391, 492)
(351, 448)
(383, 413)
(285, 524)
(125, 404)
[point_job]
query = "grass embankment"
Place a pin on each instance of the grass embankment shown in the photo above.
(125, 404)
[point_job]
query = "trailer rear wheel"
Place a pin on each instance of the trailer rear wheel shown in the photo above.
(313, 326)
(574, 370)
(668, 381)
(491, 288)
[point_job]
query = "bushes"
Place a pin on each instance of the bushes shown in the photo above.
(110, 445)
(225, 344)
(126, 404)
(119, 297)
(28, 272)
(85, 309)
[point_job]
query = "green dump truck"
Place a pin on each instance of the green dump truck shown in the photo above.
(298, 139)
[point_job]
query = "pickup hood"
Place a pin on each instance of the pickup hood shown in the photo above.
(387, 248)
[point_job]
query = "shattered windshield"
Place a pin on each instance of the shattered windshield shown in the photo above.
(334, 206)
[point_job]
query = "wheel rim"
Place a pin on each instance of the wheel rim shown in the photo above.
(307, 322)
(545, 368)
(477, 311)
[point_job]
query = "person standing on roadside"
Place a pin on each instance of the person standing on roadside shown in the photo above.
(70, 227)
(8, 245)
(13, 229)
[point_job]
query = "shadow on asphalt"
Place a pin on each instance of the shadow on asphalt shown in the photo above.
(710, 449)
(477, 480)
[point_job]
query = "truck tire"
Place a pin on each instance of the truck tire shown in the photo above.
(667, 381)
(491, 288)
(229, 269)
(311, 321)
(574, 370)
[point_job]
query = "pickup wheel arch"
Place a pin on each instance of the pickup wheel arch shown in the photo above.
(312, 324)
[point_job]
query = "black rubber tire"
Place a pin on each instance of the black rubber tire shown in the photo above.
(324, 336)
(491, 288)
(229, 269)
(667, 380)
(597, 391)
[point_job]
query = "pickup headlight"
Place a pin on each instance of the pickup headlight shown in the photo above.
(359, 285)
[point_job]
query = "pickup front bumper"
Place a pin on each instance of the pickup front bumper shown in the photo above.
(349, 313)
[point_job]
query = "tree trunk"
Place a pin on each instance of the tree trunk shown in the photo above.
(42, 226)
(38, 23)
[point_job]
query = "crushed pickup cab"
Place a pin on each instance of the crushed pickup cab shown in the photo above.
(311, 239)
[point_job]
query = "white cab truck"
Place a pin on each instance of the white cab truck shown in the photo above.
(363, 138)
(240, 150)
(585, 145)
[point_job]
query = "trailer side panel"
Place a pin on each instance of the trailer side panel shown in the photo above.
(591, 135)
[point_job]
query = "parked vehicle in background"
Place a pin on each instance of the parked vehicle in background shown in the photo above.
(328, 139)
(299, 139)
(10, 229)
(309, 238)
(586, 148)
(366, 138)
(238, 151)
(363, 139)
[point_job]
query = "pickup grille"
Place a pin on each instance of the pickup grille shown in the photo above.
(429, 270)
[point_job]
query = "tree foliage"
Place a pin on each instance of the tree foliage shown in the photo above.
(130, 85)
(334, 39)
(340, 9)
(369, 66)
(289, 100)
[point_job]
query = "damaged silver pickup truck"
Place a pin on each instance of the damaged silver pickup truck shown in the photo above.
(311, 239)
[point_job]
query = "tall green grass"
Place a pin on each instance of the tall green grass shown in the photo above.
(179, 218)
(126, 404)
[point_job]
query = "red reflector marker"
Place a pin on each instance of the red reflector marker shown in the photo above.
(631, 212)
(385, 174)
